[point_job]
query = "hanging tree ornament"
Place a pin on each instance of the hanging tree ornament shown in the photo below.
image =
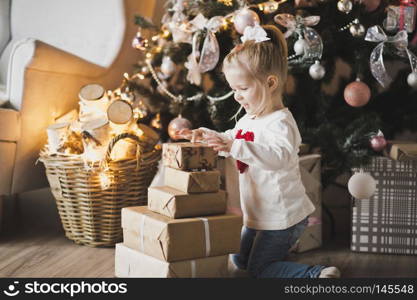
(307, 3)
(245, 17)
(412, 80)
(269, 7)
(371, 5)
(167, 66)
(361, 185)
(402, 16)
(310, 42)
(316, 70)
(357, 93)
(344, 6)
(139, 42)
(378, 141)
(300, 45)
(176, 125)
(357, 29)
(205, 60)
(399, 41)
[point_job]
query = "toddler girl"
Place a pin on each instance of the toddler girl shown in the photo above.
(265, 143)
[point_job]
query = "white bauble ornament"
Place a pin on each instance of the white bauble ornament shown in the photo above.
(245, 17)
(300, 45)
(167, 66)
(344, 6)
(361, 185)
(317, 71)
(412, 80)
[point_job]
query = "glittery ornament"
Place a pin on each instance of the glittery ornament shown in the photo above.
(245, 17)
(344, 6)
(378, 142)
(176, 125)
(317, 71)
(357, 93)
(361, 186)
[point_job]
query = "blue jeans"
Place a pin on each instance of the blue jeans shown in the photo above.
(262, 253)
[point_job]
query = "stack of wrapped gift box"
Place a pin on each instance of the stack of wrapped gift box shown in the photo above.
(184, 230)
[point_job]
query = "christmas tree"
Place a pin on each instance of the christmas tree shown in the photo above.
(352, 70)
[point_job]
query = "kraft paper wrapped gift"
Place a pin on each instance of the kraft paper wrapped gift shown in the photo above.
(310, 170)
(180, 239)
(134, 264)
(173, 203)
(189, 156)
(401, 151)
(193, 182)
(310, 239)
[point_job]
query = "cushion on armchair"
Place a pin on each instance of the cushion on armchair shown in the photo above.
(95, 37)
(4, 39)
(4, 23)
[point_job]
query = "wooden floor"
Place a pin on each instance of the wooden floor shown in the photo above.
(33, 245)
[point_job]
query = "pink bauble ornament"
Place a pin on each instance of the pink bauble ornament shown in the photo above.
(371, 5)
(357, 93)
(378, 142)
(177, 124)
(245, 17)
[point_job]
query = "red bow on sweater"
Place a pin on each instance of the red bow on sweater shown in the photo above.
(248, 136)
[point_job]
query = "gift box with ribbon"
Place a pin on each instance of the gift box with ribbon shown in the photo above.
(173, 203)
(310, 170)
(189, 156)
(401, 150)
(132, 263)
(171, 240)
(193, 182)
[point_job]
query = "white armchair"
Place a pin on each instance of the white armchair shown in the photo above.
(48, 50)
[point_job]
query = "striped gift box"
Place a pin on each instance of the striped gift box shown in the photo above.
(387, 222)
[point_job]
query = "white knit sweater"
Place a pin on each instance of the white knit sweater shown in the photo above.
(271, 192)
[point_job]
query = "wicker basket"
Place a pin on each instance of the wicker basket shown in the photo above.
(90, 214)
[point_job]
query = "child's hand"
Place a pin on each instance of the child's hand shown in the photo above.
(195, 135)
(218, 142)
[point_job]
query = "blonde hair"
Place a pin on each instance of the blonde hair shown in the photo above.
(261, 60)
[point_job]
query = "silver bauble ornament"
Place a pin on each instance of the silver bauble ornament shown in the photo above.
(361, 186)
(317, 71)
(176, 125)
(357, 30)
(344, 6)
(300, 46)
(167, 66)
(245, 17)
(412, 80)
